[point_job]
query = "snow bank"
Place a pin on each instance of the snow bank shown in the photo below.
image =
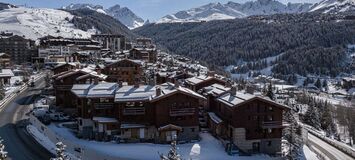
(309, 155)
(209, 148)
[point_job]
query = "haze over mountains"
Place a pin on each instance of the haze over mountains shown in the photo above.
(231, 10)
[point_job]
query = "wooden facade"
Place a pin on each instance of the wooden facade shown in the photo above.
(124, 71)
(147, 55)
(63, 83)
(154, 120)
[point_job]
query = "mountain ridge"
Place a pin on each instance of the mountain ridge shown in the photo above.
(231, 10)
(122, 14)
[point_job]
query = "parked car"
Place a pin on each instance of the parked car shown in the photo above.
(59, 117)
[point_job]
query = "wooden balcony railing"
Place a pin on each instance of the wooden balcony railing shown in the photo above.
(182, 111)
(273, 124)
(134, 111)
(103, 105)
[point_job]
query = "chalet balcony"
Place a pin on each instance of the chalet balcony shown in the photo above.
(63, 87)
(273, 124)
(103, 105)
(132, 111)
(182, 111)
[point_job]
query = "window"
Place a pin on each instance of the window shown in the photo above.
(103, 100)
(270, 118)
(269, 130)
(270, 108)
(192, 129)
(269, 143)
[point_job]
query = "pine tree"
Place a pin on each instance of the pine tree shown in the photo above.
(306, 81)
(318, 84)
(325, 85)
(173, 154)
(327, 123)
(2, 91)
(269, 92)
(311, 117)
(3, 153)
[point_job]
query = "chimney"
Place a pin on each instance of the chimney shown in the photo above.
(249, 89)
(98, 71)
(177, 84)
(77, 66)
(120, 84)
(96, 81)
(158, 91)
(136, 85)
(211, 73)
(233, 90)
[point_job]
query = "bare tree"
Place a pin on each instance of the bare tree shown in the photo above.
(60, 152)
(3, 153)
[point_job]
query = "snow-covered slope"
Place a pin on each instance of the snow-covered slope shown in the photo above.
(231, 10)
(125, 16)
(34, 23)
(327, 6)
(122, 14)
(97, 8)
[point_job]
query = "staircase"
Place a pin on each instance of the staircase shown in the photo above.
(202, 117)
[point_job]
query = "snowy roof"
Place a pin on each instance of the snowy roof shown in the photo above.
(63, 64)
(105, 120)
(95, 90)
(102, 90)
(233, 100)
(81, 90)
(126, 126)
(111, 62)
(199, 79)
(84, 70)
(239, 98)
(6, 73)
(349, 78)
(215, 118)
(134, 93)
(168, 89)
(215, 89)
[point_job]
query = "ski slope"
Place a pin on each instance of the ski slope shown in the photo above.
(34, 23)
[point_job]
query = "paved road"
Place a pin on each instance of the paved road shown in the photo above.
(19, 145)
(331, 152)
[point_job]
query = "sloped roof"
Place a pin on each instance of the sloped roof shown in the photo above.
(200, 79)
(6, 73)
(241, 98)
(102, 90)
(84, 71)
(215, 89)
(168, 89)
(132, 93)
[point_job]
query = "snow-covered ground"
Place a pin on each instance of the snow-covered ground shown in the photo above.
(34, 23)
(309, 155)
(210, 148)
(44, 141)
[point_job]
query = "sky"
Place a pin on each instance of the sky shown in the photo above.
(147, 9)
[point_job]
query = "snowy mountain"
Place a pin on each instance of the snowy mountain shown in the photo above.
(327, 6)
(6, 6)
(123, 14)
(97, 8)
(231, 10)
(34, 23)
